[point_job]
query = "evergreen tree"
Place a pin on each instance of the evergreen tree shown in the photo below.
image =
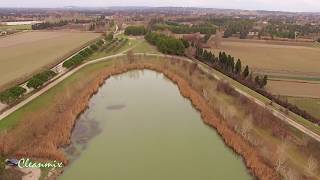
(246, 72)
(257, 81)
(238, 67)
(264, 80)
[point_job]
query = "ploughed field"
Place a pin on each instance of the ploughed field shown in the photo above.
(293, 67)
(26, 53)
(274, 58)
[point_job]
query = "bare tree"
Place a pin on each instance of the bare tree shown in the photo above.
(281, 155)
(246, 127)
(312, 165)
(290, 174)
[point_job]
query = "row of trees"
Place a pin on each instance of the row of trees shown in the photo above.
(135, 30)
(240, 26)
(227, 65)
(11, 95)
(46, 25)
(39, 79)
(166, 44)
(82, 55)
(185, 29)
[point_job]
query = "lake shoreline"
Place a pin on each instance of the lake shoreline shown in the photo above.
(230, 138)
(63, 116)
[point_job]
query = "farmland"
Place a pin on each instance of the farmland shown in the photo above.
(27, 53)
(294, 88)
(293, 68)
(16, 27)
(312, 105)
(290, 59)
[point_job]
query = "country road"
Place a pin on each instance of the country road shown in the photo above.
(205, 67)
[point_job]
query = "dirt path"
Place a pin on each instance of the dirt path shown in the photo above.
(205, 67)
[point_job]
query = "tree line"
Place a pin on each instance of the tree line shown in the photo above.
(166, 44)
(46, 25)
(234, 69)
(185, 29)
(227, 65)
(39, 79)
(11, 95)
(82, 55)
(135, 30)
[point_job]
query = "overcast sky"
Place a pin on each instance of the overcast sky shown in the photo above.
(284, 5)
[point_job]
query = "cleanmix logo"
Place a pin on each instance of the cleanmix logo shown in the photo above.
(27, 163)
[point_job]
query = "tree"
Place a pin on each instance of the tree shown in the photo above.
(257, 81)
(281, 155)
(109, 37)
(206, 38)
(246, 127)
(246, 72)
(312, 165)
(264, 80)
(185, 43)
(238, 67)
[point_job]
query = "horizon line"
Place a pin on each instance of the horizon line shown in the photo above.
(150, 6)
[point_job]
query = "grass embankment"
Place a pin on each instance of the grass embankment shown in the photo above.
(258, 142)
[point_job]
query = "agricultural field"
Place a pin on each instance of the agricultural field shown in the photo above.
(27, 53)
(294, 88)
(290, 59)
(312, 105)
(293, 68)
(16, 27)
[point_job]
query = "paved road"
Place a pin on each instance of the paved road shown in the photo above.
(205, 67)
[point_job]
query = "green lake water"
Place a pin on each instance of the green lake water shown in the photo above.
(139, 127)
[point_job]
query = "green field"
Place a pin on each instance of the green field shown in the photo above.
(16, 27)
(26, 53)
(311, 105)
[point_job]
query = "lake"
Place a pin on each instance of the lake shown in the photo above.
(139, 127)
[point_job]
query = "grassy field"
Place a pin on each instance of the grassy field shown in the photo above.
(274, 58)
(16, 27)
(25, 53)
(145, 47)
(312, 105)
